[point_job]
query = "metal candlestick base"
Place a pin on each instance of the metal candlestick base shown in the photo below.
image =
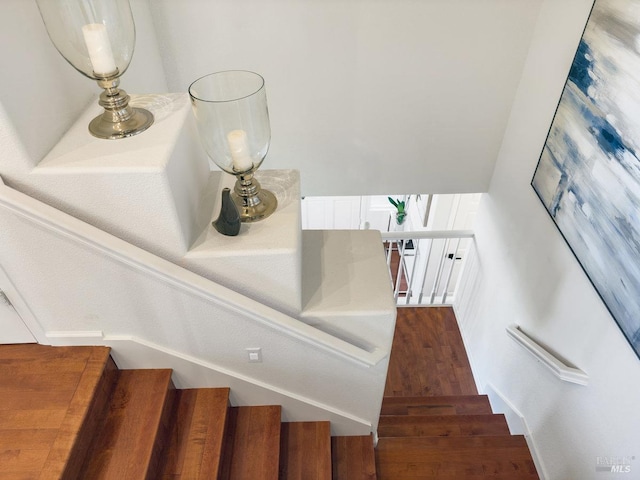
(119, 119)
(254, 204)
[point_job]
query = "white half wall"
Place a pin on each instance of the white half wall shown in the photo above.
(524, 273)
(81, 285)
(365, 97)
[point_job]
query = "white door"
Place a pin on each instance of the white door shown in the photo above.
(331, 213)
(12, 328)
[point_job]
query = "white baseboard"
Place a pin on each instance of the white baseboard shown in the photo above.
(517, 423)
(188, 372)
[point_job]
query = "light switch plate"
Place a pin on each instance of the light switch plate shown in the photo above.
(254, 355)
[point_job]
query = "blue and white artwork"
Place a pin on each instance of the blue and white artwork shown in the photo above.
(588, 176)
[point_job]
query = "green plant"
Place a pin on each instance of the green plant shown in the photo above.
(401, 213)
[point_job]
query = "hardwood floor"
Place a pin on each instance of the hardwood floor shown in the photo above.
(428, 357)
(45, 397)
(433, 423)
(68, 412)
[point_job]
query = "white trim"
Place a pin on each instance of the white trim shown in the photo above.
(428, 234)
(129, 351)
(162, 270)
(75, 334)
(20, 305)
(557, 366)
(501, 404)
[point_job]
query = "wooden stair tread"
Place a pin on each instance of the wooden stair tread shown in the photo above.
(353, 458)
(305, 451)
(454, 457)
(50, 375)
(252, 443)
(72, 414)
(129, 443)
(46, 402)
(196, 436)
(441, 425)
(441, 405)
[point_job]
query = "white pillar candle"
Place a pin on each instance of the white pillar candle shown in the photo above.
(99, 48)
(239, 147)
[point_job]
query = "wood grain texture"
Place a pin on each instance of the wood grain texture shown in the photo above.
(53, 400)
(353, 458)
(86, 412)
(126, 445)
(454, 457)
(252, 443)
(427, 356)
(195, 440)
(45, 398)
(441, 425)
(305, 451)
(433, 424)
(448, 405)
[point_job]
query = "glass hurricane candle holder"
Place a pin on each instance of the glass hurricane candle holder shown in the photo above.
(233, 122)
(97, 38)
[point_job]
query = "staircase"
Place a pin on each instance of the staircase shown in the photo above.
(433, 424)
(122, 231)
(70, 413)
(448, 437)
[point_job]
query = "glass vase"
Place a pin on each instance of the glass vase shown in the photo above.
(233, 122)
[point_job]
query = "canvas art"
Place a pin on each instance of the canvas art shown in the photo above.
(588, 176)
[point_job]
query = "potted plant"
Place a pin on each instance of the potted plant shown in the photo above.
(401, 213)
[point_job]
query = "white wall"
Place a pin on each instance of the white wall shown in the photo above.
(446, 212)
(80, 285)
(41, 95)
(525, 274)
(365, 97)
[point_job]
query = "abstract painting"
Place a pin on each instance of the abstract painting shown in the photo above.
(588, 176)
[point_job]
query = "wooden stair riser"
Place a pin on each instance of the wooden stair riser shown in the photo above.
(96, 415)
(437, 425)
(194, 446)
(194, 434)
(447, 405)
(305, 451)
(130, 441)
(453, 457)
(252, 443)
(353, 458)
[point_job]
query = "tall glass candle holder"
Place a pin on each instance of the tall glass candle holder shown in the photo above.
(97, 38)
(233, 121)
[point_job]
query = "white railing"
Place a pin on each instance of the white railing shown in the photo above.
(425, 266)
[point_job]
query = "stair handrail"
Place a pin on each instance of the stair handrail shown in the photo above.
(427, 234)
(84, 233)
(558, 367)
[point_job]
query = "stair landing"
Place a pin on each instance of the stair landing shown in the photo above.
(45, 396)
(433, 423)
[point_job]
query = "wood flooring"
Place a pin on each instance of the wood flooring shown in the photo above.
(428, 357)
(69, 413)
(45, 396)
(433, 423)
